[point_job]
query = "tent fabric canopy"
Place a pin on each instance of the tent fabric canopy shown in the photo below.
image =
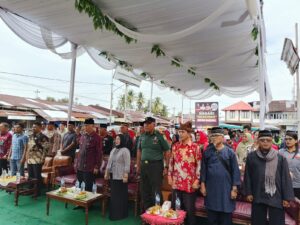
(212, 36)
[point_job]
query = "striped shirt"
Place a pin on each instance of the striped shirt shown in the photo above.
(19, 141)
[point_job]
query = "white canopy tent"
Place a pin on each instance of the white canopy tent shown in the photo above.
(212, 39)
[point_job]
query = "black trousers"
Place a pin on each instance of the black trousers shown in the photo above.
(259, 215)
(151, 182)
(219, 218)
(187, 201)
(35, 171)
(3, 165)
(87, 177)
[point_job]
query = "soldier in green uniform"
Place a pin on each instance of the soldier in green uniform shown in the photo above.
(153, 149)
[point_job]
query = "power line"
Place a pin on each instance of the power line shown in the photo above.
(54, 79)
(52, 90)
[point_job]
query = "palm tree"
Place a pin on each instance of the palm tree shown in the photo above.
(121, 103)
(140, 101)
(130, 99)
(164, 111)
(157, 106)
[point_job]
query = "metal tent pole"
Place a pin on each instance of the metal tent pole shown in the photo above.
(72, 80)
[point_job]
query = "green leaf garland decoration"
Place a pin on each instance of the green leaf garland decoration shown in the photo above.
(254, 33)
(192, 70)
(207, 80)
(145, 75)
(157, 50)
(256, 51)
(176, 62)
(100, 20)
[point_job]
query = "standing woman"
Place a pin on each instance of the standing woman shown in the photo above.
(290, 152)
(117, 171)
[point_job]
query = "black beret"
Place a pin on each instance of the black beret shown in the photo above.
(142, 124)
(264, 133)
(89, 121)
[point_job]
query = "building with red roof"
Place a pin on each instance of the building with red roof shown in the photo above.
(239, 113)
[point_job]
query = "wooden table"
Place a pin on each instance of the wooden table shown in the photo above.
(24, 187)
(70, 198)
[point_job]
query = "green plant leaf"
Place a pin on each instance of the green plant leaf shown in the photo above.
(256, 51)
(191, 70)
(176, 62)
(254, 33)
(207, 80)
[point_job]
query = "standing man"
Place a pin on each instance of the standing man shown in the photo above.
(38, 146)
(54, 139)
(219, 178)
(17, 155)
(62, 130)
(139, 133)
(69, 141)
(183, 174)
(5, 144)
(152, 151)
(108, 141)
(90, 155)
(128, 139)
(267, 182)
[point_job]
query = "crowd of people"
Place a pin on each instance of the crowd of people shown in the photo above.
(218, 163)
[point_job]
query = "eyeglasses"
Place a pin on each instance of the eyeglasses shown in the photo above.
(265, 140)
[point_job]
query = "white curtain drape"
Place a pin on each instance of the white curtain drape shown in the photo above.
(35, 35)
(155, 38)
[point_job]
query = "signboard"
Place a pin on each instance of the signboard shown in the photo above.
(290, 56)
(206, 114)
(127, 77)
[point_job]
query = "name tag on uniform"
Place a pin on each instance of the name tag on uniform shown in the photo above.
(155, 140)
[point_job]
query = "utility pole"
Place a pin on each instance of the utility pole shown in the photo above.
(37, 93)
(297, 80)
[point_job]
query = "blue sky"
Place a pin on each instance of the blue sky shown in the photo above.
(17, 56)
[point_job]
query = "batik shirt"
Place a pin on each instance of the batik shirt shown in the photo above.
(5, 143)
(184, 166)
(38, 146)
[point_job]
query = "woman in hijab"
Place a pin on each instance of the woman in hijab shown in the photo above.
(291, 153)
(118, 168)
(241, 150)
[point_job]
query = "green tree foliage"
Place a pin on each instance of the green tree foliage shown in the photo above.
(138, 102)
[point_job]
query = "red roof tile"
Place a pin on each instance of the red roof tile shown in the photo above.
(239, 106)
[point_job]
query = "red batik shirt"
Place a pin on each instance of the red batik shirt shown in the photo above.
(5, 143)
(184, 166)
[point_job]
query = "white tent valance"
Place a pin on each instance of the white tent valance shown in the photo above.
(212, 36)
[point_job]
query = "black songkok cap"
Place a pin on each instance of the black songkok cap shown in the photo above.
(89, 121)
(217, 131)
(72, 123)
(264, 133)
(149, 120)
(103, 125)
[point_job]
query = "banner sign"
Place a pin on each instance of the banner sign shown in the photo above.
(206, 114)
